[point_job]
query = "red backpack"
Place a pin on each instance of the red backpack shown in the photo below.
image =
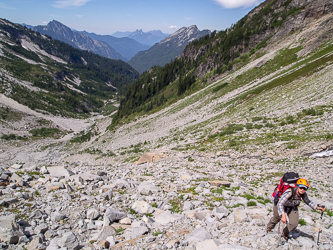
(288, 180)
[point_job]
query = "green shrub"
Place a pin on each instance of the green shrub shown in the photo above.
(251, 203)
(44, 132)
(302, 222)
(154, 205)
(257, 118)
(221, 86)
(249, 125)
(8, 137)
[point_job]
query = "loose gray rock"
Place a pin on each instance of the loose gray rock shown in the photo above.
(188, 206)
(69, 240)
(198, 235)
(167, 217)
(220, 212)
(57, 216)
(41, 228)
(112, 215)
(106, 232)
(92, 214)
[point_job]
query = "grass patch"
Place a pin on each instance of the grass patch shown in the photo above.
(302, 222)
(45, 132)
(251, 203)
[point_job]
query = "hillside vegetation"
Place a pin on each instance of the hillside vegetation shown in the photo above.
(212, 55)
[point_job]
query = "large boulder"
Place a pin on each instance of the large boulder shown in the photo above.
(198, 235)
(112, 215)
(167, 217)
(54, 186)
(240, 215)
(149, 157)
(207, 245)
(142, 207)
(59, 171)
(9, 230)
(69, 241)
(220, 212)
(57, 216)
(92, 214)
(138, 228)
(106, 233)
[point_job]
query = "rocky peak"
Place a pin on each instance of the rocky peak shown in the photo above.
(184, 35)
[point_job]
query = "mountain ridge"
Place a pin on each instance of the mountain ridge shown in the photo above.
(79, 40)
(167, 49)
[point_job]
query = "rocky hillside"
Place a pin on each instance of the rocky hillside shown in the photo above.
(79, 40)
(166, 50)
(197, 173)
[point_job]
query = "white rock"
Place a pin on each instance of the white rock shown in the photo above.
(167, 217)
(142, 207)
(92, 214)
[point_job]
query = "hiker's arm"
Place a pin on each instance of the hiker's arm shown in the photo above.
(310, 203)
(286, 195)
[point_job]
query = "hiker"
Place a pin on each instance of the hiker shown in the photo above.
(288, 204)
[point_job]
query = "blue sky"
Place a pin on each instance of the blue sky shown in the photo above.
(108, 16)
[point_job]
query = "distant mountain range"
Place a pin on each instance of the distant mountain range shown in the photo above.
(79, 40)
(148, 38)
(123, 46)
(126, 46)
(135, 48)
(167, 49)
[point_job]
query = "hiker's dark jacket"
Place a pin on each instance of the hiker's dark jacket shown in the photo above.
(290, 200)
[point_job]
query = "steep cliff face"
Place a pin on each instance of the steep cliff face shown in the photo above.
(268, 23)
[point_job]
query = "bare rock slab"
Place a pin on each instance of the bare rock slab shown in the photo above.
(219, 183)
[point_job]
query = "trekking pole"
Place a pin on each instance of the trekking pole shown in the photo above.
(279, 235)
(321, 217)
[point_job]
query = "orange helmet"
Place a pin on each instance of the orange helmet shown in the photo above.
(303, 183)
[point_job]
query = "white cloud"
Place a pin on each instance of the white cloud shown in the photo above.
(5, 6)
(69, 3)
(188, 18)
(79, 16)
(173, 27)
(232, 4)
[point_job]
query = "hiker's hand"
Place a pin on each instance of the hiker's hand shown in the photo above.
(322, 209)
(284, 218)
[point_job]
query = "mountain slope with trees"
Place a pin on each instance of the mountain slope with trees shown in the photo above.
(166, 50)
(220, 52)
(50, 75)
